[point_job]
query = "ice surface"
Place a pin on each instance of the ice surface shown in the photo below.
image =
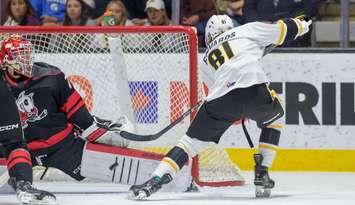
(292, 188)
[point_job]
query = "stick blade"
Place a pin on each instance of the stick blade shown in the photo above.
(136, 137)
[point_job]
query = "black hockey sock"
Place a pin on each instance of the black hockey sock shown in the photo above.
(172, 162)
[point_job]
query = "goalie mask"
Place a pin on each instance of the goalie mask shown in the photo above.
(16, 54)
(217, 25)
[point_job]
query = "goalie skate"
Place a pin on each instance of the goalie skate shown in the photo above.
(143, 191)
(263, 183)
(27, 194)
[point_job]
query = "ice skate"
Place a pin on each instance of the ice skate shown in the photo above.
(263, 183)
(27, 194)
(143, 191)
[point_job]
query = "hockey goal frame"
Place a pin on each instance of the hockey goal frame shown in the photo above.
(126, 29)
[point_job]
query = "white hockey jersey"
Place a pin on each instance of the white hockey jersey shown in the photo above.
(235, 56)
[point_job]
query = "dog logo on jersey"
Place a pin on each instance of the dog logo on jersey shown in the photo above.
(28, 110)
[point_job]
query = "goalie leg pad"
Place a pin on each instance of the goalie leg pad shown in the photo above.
(4, 176)
(115, 164)
(125, 166)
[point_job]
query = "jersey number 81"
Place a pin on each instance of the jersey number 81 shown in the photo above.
(218, 56)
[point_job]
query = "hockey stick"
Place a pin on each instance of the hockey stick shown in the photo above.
(250, 142)
(143, 138)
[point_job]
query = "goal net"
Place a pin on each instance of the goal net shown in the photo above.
(146, 73)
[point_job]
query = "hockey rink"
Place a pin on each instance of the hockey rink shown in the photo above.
(299, 188)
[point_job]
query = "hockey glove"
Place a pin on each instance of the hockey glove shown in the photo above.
(107, 132)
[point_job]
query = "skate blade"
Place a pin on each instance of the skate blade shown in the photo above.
(30, 200)
(261, 192)
(141, 196)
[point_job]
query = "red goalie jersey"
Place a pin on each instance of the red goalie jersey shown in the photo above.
(50, 108)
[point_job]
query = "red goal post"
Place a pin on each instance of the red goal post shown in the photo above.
(148, 73)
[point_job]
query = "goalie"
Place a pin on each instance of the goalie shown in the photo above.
(54, 119)
(13, 146)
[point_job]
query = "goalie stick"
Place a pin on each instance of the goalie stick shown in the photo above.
(151, 137)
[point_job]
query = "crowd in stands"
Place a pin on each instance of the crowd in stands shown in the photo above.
(154, 12)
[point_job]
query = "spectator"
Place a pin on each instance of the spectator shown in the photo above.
(50, 11)
(272, 10)
(137, 13)
(156, 12)
(119, 11)
(232, 8)
(20, 12)
(196, 13)
(77, 14)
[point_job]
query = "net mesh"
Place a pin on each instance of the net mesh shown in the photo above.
(144, 75)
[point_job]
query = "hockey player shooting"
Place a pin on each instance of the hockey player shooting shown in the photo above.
(240, 90)
(54, 119)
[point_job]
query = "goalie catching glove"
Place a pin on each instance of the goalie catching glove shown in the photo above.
(108, 132)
